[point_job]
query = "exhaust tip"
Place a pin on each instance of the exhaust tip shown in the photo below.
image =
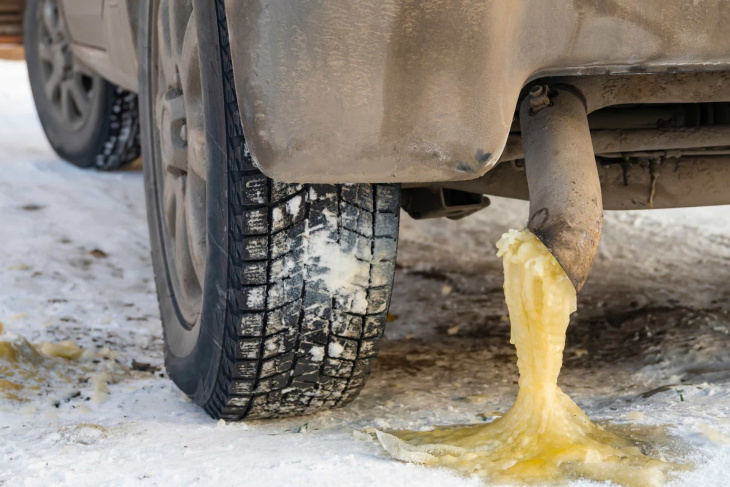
(566, 207)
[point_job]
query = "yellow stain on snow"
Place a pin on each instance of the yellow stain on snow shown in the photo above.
(30, 371)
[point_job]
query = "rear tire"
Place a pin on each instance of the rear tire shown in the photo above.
(297, 277)
(88, 121)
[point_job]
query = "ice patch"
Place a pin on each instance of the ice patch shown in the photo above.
(419, 454)
(360, 436)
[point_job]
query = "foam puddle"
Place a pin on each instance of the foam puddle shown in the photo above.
(545, 437)
(56, 372)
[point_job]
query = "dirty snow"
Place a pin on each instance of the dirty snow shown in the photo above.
(651, 337)
(53, 372)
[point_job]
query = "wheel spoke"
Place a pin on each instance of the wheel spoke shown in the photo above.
(66, 102)
(183, 258)
(52, 21)
(181, 19)
(166, 59)
(197, 158)
(196, 223)
(181, 243)
(189, 65)
(45, 51)
(169, 205)
(53, 83)
(191, 85)
(78, 95)
(173, 138)
(173, 103)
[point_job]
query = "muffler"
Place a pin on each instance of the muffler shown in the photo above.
(566, 210)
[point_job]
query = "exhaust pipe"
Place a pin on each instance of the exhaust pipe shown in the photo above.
(566, 209)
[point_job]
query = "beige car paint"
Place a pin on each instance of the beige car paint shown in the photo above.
(103, 38)
(84, 21)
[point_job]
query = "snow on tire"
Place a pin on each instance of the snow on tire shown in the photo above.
(311, 294)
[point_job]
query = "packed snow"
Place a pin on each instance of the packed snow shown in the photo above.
(650, 343)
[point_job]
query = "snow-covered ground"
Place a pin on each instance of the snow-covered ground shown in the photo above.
(652, 336)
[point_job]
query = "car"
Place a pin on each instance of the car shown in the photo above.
(280, 141)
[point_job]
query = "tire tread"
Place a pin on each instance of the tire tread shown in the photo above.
(122, 145)
(290, 347)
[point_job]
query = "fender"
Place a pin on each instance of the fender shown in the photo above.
(104, 37)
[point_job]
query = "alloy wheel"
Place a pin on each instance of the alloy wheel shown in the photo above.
(67, 84)
(181, 155)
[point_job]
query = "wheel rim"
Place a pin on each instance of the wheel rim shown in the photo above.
(68, 86)
(181, 164)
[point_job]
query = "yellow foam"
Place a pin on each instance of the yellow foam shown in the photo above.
(545, 437)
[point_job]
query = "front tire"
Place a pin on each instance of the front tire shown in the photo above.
(295, 280)
(88, 121)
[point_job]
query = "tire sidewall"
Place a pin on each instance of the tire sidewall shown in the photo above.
(196, 373)
(81, 146)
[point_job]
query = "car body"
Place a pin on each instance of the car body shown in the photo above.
(281, 139)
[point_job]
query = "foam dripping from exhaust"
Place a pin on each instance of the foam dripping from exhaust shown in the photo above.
(545, 437)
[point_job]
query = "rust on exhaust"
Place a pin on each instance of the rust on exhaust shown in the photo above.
(566, 210)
